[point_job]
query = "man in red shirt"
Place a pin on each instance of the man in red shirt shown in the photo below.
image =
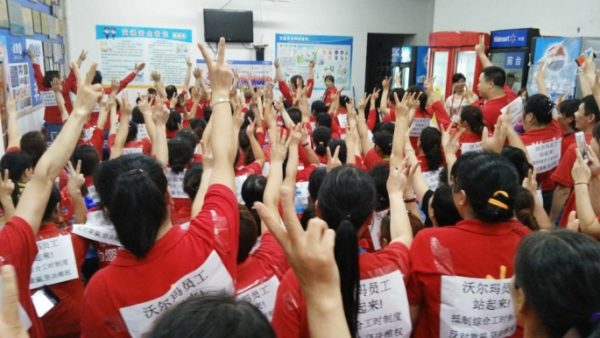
(494, 93)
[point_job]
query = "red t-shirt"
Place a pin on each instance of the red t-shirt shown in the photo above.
(372, 159)
(550, 136)
(562, 174)
(52, 113)
(122, 85)
(18, 248)
(469, 142)
(182, 205)
(328, 95)
(143, 146)
(491, 108)
(253, 168)
(289, 317)
(567, 140)
(422, 120)
(64, 319)
(469, 249)
(96, 141)
(289, 95)
(183, 263)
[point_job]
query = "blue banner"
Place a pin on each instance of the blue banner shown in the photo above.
(110, 32)
(422, 65)
(509, 38)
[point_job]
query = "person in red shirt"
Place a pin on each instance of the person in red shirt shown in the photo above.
(560, 306)
(430, 107)
(181, 154)
(566, 119)
(471, 120)
(586, 117)
(330, 91)
(381, 151)
(17, 241)
(431, 157)
(346, 202)
(443, 268)
(296, 83)
(494, 94)
(174, 263)
(542, 137)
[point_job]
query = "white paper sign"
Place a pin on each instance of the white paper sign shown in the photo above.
(432, 178)
(343, 120)
(93, 194)
(142, 132)
(262, 296)
(55, 262)
(48, 98)
(383, 307)
(98, 228)
(476, 307)
(176, 183)
(419, 123)
(133, 150)
(210, 277)
(302, 195)
(469, 147)
(545, 155)
(375, 228)
(517, 110)
(88, 133)
(22, 314)
(239, 181)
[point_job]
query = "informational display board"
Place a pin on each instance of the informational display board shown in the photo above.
(259, 72)
(561, 72)
(332, 55)
(163, 49)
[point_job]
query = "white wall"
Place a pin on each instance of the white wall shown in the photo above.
(324, 17)
(552, 17)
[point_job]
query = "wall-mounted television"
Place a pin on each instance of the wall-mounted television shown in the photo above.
(234, 26)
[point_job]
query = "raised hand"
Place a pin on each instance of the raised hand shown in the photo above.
(311, 64)
(155, 76)
(279, 146)
(362, 103)
(581, 172)
(87, 94)
(76, 179)
(139, 67)
(480, 47)
(451, 143)
(221, 75)
(10, 322)
(56, 85)
(276, 63)
(188, 62)
(7, 186)
(197, 73)
(398, 178)
(160, 113)
(114, 86)
(333, 161)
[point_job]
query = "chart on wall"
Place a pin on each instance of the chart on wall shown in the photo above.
(332, 55)
(258, 72)
(163, 49)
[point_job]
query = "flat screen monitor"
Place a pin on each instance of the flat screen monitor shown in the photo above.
(234, 26)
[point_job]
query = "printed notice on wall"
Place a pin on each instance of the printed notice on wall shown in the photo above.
(476, 307)
(163, 49)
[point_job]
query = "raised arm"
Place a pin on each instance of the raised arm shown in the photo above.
(76, 181)
(7, 186)
(279, 150)
(400, 230)
(585, 211)
(539, 213)
(385, 84)
(480, 50)
(540, 79)
(596, 88)
(158, 85)
(117, 148)
(188, 74)
(35, 196)
(12, 127)
(57, 88)
(222, 135)
(291, 168)
(586, 74)
(207, 170)
(160, 149)
(361, 123)
(257, 151)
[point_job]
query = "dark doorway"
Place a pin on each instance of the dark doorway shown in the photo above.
(379, 56)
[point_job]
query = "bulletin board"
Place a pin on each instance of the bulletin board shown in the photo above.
(332, 54)
(163, 49)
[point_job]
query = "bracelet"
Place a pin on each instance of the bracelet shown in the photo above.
(578, 183)
(219, 101)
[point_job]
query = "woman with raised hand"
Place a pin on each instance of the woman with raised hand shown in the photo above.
(462, 271)
(17, 241)
(161, 265)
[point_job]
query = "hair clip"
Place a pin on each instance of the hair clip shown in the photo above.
(493, 201)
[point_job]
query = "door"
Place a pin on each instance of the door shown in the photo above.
(440, 61)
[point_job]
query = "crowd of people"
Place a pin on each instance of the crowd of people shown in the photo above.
(218, 209)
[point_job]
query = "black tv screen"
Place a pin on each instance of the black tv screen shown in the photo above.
(234, 26)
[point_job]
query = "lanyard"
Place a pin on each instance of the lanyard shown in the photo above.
(459, 104)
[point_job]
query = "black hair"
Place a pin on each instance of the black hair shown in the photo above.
(49, 76)
(188, 135)
(318, 106)
(170, 91)
(416, 225)
(380, 173)
(321, 136)
(385, 126)
(398, 91)
(443, 177)
(152, 91)
(343, 152)
(383, 140)
(136, 115)
(174, 121)
(518, 159)
(422, 98)
(212, 316)
(567, 108)
(591, 107)
(293, 80)
(524, 208)
(53, 201)
(431, 143)
(457, 77)
(330, 78)
(133, 189)
(495, 74)
(473, 116)
(16, 163)
(309, 213)
(559, 271)
(323, 120)
(252, 191)
(249, 231)
(191, 180)
(88, 155)
(314, 182)
(443, 207)
(346, 200)
(97, 78)
(197, 122)
(132, 132)
(295, 114)
(33, 143)
(344, 100)
(490, 182)
(181, 154)
(541, 107)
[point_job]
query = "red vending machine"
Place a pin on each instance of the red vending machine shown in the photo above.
(454, 52)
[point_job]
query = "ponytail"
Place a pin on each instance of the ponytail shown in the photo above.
(181, 154)
(346, 257)
(431, 143)
(138, 208)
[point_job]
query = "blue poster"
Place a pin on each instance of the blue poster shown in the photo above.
(332, 54)
(509, 38)
(561, 71)
(422, 65)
